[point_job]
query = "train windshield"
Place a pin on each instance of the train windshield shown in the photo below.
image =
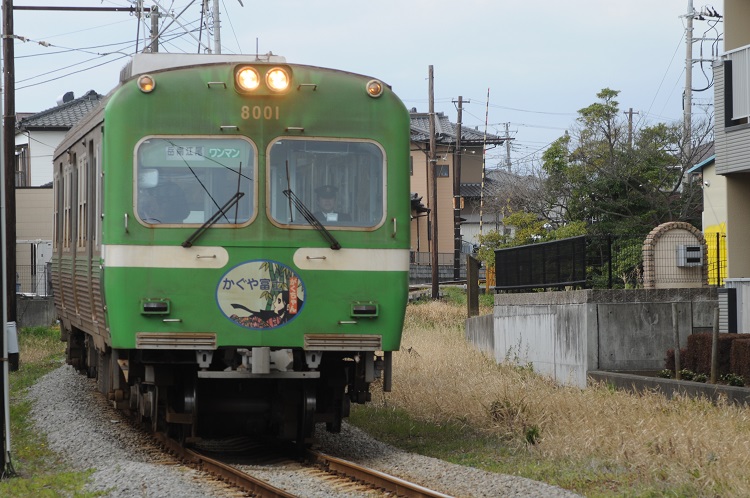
(340, 181)
(185, 181)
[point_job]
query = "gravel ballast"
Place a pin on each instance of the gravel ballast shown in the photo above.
(85, 430)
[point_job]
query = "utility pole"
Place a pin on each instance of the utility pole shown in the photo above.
(484, 165)
(154, 29)
(688, 102)
(8, 213)
(629, 114)
(432, 179)
(217, 30)
(9, 156)
(457, 195)
(507, 146)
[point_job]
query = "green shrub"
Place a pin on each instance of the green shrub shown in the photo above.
(733, 379)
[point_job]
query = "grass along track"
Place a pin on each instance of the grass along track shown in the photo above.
(451, 402)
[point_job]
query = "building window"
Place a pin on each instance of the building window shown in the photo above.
(441, 170)
(741, 107)
(22, 166)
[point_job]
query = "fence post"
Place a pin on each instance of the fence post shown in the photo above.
(609, 261)
(718, 259)
(676, 338)
(472, 285)
(715, 348)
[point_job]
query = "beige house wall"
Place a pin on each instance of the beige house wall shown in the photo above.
(736, 17)
(33, 219)
(738, 221)
(420, 185)
(731, 156)
(471, 166)
(714, 198)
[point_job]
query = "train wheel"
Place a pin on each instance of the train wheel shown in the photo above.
(340, 410)
(181, 412)
(155, 408)
(92, 358)
(103, 372)
(75, 349)
(306, 420)
(190, 407)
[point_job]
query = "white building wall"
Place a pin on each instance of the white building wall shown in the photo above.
(41, 148)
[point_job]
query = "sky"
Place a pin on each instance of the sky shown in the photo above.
(529, 63)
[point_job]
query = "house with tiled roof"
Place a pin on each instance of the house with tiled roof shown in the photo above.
(473, 142)
(37, 135)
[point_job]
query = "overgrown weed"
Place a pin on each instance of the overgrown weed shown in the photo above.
(602, 441)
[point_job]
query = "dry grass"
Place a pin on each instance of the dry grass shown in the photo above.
(39, 343)
(673, 444)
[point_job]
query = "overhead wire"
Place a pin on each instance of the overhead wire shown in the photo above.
(86, 50)
(70, 74)
(231, 26)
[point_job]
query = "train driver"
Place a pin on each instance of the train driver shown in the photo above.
(327, 201)
(165, 203)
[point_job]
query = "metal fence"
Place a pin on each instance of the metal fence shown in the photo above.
(420, 271)
(716, 247)
(607, 262)
(425, 258)
(561, 263)
(33, 279)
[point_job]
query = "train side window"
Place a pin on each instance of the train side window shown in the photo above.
(340, 181)
(58, 186)
(97, 190)
(82, 204)
(186, 180)
(69, 203)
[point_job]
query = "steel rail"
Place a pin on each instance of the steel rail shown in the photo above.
(373, 477)
(224, 472)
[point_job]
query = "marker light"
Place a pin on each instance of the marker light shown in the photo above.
(247, 79)
(374, 88)
(277, 79)
(146, 83)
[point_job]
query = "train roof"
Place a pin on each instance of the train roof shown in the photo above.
(149, 62)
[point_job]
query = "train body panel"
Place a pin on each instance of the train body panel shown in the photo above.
(212, 229)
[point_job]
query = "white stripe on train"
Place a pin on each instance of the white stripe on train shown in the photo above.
(305, 258)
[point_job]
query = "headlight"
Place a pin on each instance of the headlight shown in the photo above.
(277, 79)
(247, 79)
(146, 83)
(374, 88)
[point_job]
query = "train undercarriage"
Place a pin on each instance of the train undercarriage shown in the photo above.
(281, 394)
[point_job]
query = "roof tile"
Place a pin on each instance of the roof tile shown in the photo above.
(63, 116)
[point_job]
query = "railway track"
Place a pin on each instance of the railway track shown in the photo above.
(349, 478)
(379, 480)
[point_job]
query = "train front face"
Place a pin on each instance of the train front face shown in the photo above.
(266, 256)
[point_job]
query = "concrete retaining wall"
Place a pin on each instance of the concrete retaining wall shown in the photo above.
(566, 334)
(35, 311)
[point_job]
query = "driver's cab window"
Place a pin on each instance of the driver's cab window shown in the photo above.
(188, 180)
(339, 182)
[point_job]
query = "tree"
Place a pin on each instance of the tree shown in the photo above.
(595, 175)
(598, 180)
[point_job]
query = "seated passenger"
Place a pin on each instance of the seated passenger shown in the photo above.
(327, 212)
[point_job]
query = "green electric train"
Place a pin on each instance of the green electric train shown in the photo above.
(231, 245)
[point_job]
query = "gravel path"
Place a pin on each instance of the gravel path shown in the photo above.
(91, 435)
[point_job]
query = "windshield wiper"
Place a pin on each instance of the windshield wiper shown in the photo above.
(311, 219)
(213, 219)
